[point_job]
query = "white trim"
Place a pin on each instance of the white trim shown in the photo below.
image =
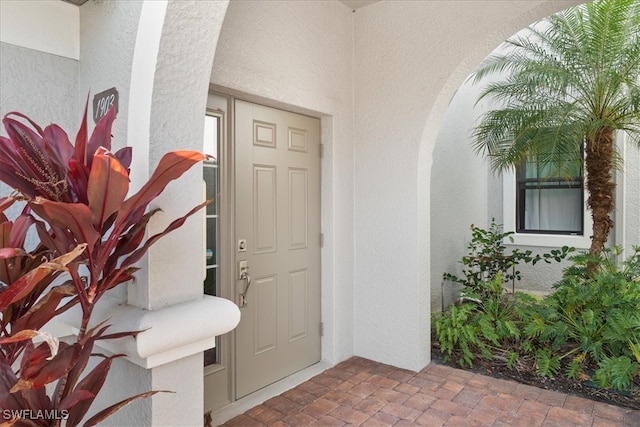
(621, 210)
(168, 334)
(46, 26)
(544, 240)
(143, 70)
(254, 399)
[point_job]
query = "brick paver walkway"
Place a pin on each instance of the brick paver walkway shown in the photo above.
(361, 392)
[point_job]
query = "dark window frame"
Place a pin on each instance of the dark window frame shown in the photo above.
(547, 183)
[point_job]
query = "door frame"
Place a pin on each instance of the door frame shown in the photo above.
(227, 225)
(223, 371)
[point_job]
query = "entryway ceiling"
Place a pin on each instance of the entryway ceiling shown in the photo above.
(354, 4)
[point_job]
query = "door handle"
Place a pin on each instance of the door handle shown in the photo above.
(243, 296)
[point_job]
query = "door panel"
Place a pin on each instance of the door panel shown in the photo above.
(277, 176)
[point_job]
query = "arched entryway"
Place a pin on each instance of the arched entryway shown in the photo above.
(376, 200)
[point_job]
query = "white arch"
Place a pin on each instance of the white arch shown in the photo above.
(439, 109)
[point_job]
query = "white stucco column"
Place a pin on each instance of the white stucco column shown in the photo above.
(159, 55)
(177, 104)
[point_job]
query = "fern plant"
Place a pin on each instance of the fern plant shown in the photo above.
(616, 372)
(595, 319)
(547, 364)
(456, 333)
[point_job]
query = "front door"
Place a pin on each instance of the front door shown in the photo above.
(277, 215)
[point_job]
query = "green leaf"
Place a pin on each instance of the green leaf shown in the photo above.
(616, 372)
(547, 365)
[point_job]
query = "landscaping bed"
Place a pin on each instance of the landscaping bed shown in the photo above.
(583, 338)
(526, 374)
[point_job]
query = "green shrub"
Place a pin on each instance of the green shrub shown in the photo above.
(595, 319)
(487, 257)
(589, 327)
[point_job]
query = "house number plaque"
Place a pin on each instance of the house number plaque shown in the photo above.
(103, 101)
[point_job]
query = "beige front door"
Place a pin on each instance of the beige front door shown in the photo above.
(277, 217)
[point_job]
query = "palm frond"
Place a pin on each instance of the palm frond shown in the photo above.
(565, 78)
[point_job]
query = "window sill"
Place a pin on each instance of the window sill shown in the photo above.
(549, 240)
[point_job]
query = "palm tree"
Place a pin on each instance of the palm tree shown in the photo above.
(566, 86)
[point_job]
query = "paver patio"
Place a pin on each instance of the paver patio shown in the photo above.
(362, 392)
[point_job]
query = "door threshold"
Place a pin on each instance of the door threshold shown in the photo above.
(257, 397)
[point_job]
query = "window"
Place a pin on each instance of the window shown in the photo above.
(548, 204)
(544, 209)
(212, 133)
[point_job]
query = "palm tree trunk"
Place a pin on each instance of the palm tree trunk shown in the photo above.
(599, 164)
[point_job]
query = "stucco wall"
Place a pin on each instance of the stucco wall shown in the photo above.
(108, 36)
(298, 56)
(409, 60)
(41, 85)
(459, 194)
(630, 195)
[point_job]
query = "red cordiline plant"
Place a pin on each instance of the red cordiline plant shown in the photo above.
(90, 235)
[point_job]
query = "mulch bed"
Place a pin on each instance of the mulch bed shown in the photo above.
(525, 374)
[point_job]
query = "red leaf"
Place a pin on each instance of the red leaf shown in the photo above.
(23, 335)
(6, 202)
(130, 241)
(101, 136)
(6, 269)
(23, 156)
(107, 412)
(11, 253)
(124, 155)
(115, 277)
(7, 380)
(79, 173)
(74, 398)
(137, 255)
(80, 147)
(23, 285)
(41, 372)
(107, 188)
(76, 217)
(45, 309)
(34, 124)
(19, 230)
(27, 399)
(171, 166)
(58, 145)
(92, 382)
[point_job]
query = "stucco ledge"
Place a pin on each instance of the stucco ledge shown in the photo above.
(167, 334)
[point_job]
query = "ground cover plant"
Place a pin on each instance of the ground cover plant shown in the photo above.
(89, 233)
(584, 336)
